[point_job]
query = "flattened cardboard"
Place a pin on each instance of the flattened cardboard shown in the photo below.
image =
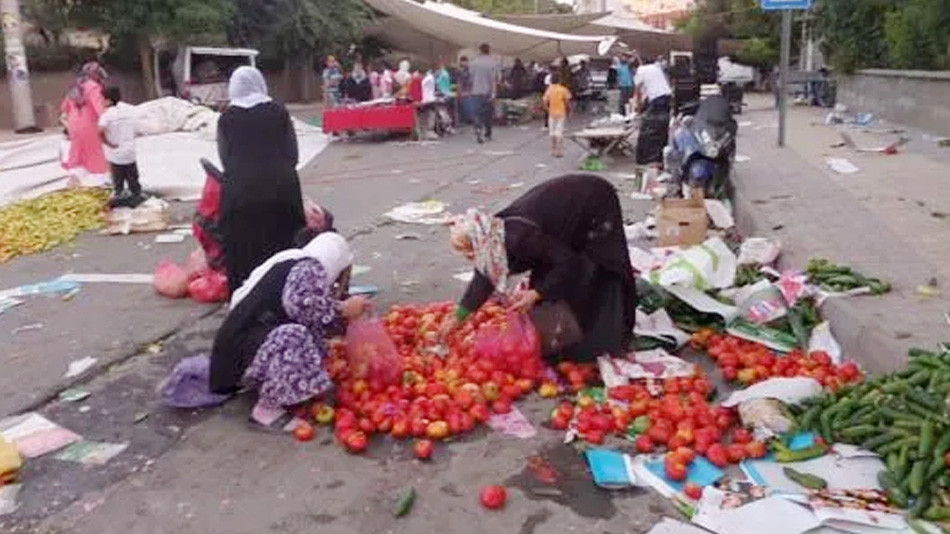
(682, 222)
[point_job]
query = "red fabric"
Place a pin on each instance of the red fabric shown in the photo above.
(415, 88)
(370, 118)
(205, 227)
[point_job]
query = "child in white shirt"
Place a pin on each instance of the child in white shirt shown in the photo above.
(117, 129)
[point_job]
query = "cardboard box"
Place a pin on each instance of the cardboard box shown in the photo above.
(682, 222)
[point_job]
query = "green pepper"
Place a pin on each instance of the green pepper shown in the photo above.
(788, 456)
(641, 424)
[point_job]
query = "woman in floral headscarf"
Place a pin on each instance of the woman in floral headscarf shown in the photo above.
(568, 232)
(80, 110)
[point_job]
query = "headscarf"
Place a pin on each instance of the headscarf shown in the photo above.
(328, 248)
(359, 73)
(487, 234)
(247, 88)
(91, 70)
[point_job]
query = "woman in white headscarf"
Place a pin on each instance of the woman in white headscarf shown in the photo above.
(261, 203)
(274, 338)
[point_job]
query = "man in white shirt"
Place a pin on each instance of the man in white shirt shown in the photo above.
(117, 129)
(653, 97)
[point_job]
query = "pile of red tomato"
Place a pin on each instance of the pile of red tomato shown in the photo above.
(439, 395)
(680, 420)
(747, 362)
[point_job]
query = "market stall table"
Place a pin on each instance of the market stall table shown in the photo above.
(605, 140)
(370, 118)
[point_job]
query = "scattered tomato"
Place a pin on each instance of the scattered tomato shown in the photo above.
(675, 470)
(493, 497)
(304, 432)
(437, 430)
(422, 449)
(644, 444)
(356, 442)
(548, 390)
(693, 491)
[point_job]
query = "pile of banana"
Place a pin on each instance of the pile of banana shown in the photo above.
(39, 224)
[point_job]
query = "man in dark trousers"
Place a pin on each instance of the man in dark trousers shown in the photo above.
(484, 72)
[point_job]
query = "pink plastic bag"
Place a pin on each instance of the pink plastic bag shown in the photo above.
(209, 287)
(371, 353)
(196, 264)
(170, 280)
(514, 347)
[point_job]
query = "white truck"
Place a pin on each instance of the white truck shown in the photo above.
(199, 74)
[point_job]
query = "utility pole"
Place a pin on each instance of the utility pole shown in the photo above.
(18, 74)
(786, 51)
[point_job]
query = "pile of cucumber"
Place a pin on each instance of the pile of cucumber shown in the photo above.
(903, 418)
(841, 278)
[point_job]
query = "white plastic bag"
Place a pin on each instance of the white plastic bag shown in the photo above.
(705, 266)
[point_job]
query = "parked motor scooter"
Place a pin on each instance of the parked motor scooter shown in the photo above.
(703, 147)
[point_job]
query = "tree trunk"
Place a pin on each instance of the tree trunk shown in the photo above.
(306, 72)
(18, 74)
(288, 79)
(148, 74)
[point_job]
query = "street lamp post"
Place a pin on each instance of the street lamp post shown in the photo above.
(18, 74)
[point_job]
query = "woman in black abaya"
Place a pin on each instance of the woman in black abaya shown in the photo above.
(568, 232)
(261, 203)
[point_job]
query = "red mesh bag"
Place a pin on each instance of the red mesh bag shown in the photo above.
(513, 346)
(371, 353)
(170, 280)
(209, 287)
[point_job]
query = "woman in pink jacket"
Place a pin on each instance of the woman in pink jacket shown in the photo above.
(80, 111)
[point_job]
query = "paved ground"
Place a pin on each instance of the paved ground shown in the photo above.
(889, 220)
(188, 472)
(207, 472)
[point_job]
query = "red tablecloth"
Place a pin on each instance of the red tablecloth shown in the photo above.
(400, 117)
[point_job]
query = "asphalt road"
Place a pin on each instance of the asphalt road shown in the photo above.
(207, 471)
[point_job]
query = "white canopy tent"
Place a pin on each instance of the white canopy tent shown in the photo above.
(465, 29)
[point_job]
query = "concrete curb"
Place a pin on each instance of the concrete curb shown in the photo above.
(860, 324)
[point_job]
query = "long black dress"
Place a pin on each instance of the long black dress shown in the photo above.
(569, 233)
(246, 327)
(261, 203)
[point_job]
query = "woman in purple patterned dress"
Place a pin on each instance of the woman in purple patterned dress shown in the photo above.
(274, 336)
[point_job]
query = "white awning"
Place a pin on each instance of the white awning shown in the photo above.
(468, 29)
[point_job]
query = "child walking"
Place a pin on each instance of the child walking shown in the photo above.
(117, 129)
(557, 101)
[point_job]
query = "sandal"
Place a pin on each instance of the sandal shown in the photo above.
(283, 423)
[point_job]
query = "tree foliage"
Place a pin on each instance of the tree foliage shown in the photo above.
(499, 7)
(738, 19)
(911, 34)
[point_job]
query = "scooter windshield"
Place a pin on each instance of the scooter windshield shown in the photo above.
(715, 117)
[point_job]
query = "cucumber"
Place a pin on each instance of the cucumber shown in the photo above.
(404, 502)
(936, 468)
(883, 438)
(921, 504)
(896, 445)
(926, 446)
(806, 480)
(943, 444)
(924, 399)
(857, 433)
(919, 378)
(937, 513)
(808, 419)
(915, 482)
